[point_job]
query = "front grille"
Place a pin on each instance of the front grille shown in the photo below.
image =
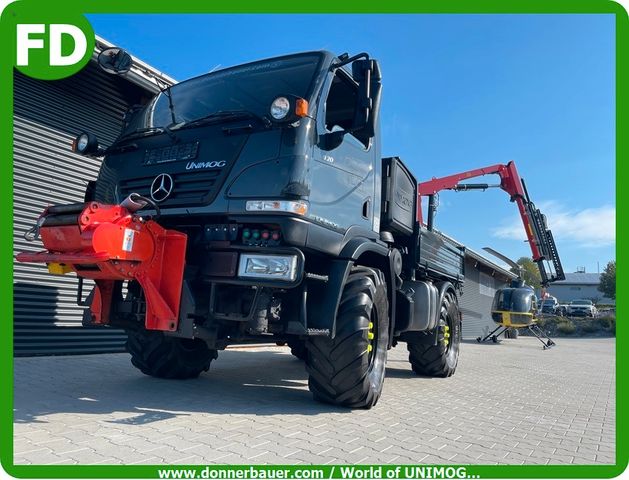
(189, 188)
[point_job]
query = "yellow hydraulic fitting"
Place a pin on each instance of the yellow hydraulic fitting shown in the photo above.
(58, 268)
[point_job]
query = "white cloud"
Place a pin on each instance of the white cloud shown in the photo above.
(592, 227)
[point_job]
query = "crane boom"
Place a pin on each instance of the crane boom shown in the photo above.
(539, 236)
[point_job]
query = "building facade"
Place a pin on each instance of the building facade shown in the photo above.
(482, 278)
(579, 285)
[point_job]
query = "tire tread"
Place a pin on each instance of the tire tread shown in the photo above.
(158, 355)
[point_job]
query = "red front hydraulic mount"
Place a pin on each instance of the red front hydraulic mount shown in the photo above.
(108, 243)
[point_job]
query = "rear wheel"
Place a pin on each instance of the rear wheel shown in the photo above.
(349, 369)
(162, 356)
(440, 360)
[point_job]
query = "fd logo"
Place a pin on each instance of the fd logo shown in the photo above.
(29, 38)
(50, 45)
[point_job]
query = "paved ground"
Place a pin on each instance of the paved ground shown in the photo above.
(508, 403)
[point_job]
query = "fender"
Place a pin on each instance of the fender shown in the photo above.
(322, 309)
(443, 287)
(357, 246)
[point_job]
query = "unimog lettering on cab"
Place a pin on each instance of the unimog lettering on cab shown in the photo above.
(252, 203)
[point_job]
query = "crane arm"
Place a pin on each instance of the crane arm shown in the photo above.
(539, 236)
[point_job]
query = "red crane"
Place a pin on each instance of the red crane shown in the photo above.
(539, 236)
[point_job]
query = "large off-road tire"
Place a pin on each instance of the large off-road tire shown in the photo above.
(440, 360)
(298, 348)
(349, 369)
(159, 355)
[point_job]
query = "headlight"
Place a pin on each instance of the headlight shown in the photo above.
(279, 267)
(289, 206)
(280, 108)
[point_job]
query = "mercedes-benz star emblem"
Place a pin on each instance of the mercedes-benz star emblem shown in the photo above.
(162, 187)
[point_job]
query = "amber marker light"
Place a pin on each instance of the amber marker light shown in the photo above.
(301, 107)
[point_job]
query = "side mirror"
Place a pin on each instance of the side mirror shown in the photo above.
(115, 61)
(361, 71)
(367, 74)
(329, 141)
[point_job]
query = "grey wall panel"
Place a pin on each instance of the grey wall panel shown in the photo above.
(478, 289)
(47, 116)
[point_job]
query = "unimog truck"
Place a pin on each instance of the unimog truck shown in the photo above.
(252, 204)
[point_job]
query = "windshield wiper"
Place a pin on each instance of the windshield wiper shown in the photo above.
(221, 116)
(147, 132)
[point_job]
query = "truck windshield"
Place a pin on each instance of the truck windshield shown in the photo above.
(248, 88)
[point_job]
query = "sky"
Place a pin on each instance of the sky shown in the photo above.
(459, 92)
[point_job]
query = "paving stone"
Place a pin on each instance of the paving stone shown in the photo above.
(509, 403)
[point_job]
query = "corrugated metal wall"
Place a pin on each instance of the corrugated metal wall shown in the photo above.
(476, 302)
(47, 116)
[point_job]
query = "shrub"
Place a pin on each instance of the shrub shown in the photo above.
(591, 327)
(604, 322)
(607, 323)
(566, 328)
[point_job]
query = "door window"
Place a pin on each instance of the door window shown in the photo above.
(340, 108)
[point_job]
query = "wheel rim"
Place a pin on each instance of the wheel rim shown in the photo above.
(446, 329)
(449, 330)
(372, 337)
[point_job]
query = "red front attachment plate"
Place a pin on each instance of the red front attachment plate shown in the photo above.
(107, 243)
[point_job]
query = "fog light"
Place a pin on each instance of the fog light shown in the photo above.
(280, 267)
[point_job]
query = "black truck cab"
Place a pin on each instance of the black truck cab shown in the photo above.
(297, 230)
(216, 138)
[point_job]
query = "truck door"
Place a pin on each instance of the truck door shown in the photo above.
(343, 178)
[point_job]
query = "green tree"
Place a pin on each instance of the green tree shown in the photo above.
(530, 272)
(608, 280)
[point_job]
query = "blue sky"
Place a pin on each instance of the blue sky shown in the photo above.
(460, 92)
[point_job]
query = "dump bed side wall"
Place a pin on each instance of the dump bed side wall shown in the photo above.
(440, 257)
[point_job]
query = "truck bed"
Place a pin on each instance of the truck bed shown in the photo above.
(440, 257)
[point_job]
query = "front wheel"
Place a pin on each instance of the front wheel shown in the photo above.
(440, 360)
(349, 369)
(298, 348)
(162, 356)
